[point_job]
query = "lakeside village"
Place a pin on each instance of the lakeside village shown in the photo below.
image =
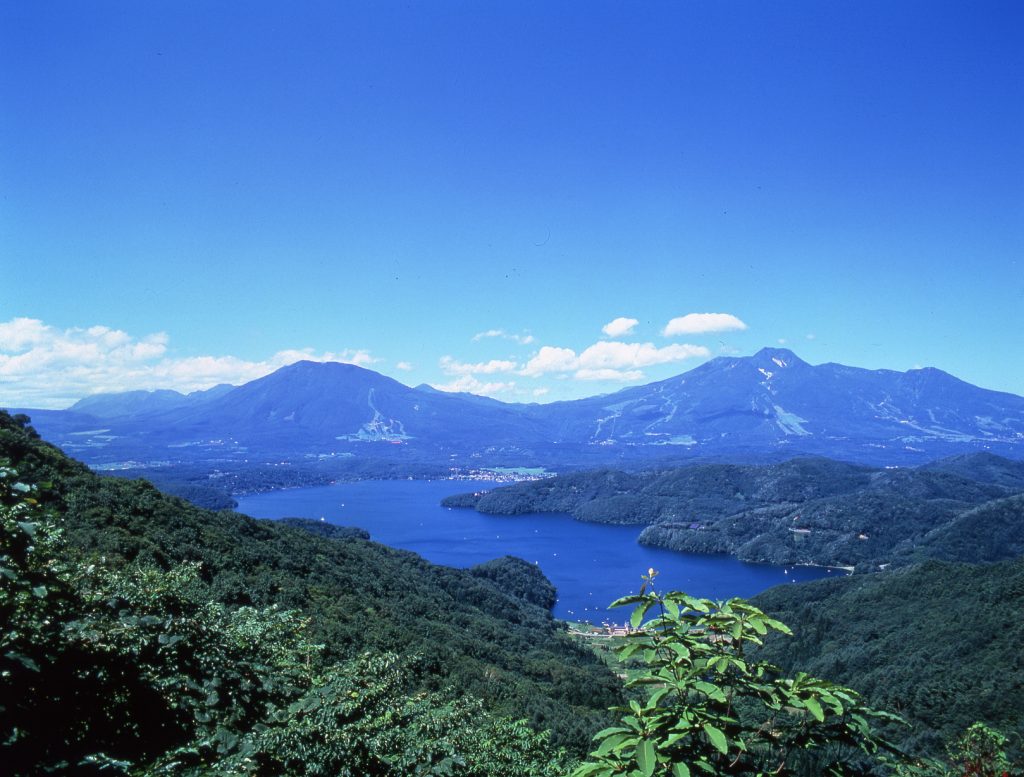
(606, 630)
(500, 474)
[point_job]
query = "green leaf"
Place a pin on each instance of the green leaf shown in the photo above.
(24, 660)
(607, 732)
(613, 742)
(712, 690)
(717, 738)
(645, 757)
(815, 708)
(588, 770)
(226, 740)
(638, 615)
(623, 601)
(656, 697)
(679, 649)
(778, 625)
(671, 610)
(629, 649)
(671, 739)
(680, 770)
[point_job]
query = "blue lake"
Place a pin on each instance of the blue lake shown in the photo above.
(590, 564)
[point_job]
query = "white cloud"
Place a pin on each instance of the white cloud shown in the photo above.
(702, 323)
(616, 355)
(359, 357)
(469, 384)
(609, 355)
(489, 333)
(405, 366)
(45, 367)
(453, 367)
(19, 333)
(523, 339)
(607, 374)
(619, 327)
(551, 359)
(539, 392)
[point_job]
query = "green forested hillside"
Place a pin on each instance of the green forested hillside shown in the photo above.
(143, 635)
(466, 632)
(992, 532)
(197, 484)
(983, 467)
(939, 643)
(804, 511)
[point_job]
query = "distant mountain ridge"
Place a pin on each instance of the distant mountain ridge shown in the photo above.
(775, 396)
(130, 404)
(769, 406)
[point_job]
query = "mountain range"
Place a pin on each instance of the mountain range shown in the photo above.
(769, 406)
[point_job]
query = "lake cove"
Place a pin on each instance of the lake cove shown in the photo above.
(590, 564)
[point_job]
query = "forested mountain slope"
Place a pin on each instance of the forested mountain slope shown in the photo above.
(358, 595)
(803, 511)
(939, 643)
(150, 635)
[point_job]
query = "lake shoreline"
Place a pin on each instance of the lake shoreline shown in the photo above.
(590, 564)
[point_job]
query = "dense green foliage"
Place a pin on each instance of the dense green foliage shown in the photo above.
(804, 511)
(713, 709)
(520, 579)
(980, 751)
(714, 490)
(992, 532)
(939, 643)
(468, 633)
(138, 670)
(981, 467)
(202, 493)
(323, 529)
(142, 634)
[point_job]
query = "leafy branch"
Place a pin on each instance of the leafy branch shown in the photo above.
(712, 709)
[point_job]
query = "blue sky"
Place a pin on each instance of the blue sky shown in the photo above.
(196, 192)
